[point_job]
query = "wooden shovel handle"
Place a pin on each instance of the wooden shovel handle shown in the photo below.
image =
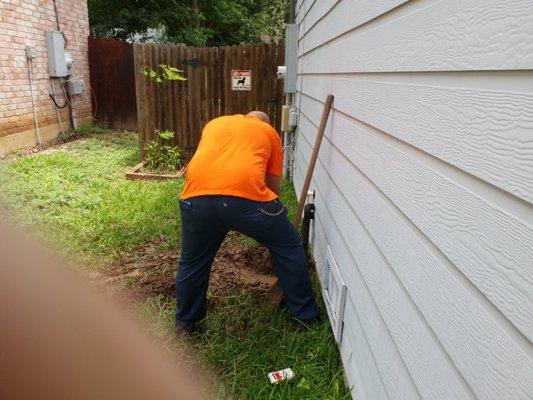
(312, 160)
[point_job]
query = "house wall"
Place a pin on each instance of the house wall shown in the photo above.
(24, 22)
(424, 190)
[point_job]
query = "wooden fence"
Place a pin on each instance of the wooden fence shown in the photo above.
(113, 83)
(185, 106)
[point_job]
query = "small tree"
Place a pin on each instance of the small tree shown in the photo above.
(160, 153)
(166, 74)
(163, 78)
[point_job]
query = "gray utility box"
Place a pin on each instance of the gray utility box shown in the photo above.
(55, 46)
(75, 86)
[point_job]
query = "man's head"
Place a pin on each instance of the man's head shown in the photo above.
(259, 114)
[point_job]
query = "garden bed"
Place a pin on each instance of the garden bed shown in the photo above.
(139, 172)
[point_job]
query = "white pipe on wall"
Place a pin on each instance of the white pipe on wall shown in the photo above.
(37, 131)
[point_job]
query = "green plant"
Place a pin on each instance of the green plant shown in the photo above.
(166, 73)
(161, 155)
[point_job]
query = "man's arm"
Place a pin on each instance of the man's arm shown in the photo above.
(274, 168)
(273, 182)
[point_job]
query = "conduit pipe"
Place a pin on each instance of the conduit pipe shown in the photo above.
(37, 130)
(288, 137)
(57, 108)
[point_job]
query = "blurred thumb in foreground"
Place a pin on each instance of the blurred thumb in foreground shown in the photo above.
(61, 340)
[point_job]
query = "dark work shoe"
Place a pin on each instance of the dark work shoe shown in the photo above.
(186, 330)
(305, 324)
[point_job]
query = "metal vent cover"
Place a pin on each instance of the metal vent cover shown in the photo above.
(334, 293)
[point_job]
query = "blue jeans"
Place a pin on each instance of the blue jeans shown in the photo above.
(206, 220)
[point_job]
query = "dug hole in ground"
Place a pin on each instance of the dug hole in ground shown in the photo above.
(150, 271)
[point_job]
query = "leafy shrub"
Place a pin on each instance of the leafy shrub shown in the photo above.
(161, 155)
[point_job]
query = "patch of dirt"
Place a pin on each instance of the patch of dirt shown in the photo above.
(150, 271)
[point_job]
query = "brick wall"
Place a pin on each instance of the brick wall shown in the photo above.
(24, 22)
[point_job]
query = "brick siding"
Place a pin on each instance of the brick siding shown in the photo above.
(24, 22)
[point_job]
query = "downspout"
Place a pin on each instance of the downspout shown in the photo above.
(293, 12)
(289, 99)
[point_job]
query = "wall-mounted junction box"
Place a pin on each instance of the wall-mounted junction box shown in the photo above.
(31, 52)
(281, 72)
(55, 46)
(289, 118)
(76, 86)
(293, 118)
(285, 114)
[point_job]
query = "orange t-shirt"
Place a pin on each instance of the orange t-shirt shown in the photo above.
(233, 156)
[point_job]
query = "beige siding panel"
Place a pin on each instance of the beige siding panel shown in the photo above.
(302, 11)
(486, 132)
(366, 319)
(490, 358)
(360, 367)
(489, 246)
(345, 16)
(360, 362)
(451, 35)
(354, 381)
(432, 373)
(317, 11)
(425, 189)
(370, 326)
(299, 5)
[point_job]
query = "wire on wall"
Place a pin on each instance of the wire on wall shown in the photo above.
(52, 96)
(57, 14)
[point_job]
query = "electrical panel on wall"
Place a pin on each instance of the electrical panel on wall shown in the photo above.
(334, 293)
(57, 62)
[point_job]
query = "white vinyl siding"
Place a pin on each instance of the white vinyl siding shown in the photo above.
(424, 190)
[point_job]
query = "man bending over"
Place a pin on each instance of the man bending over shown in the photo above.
(232, 184)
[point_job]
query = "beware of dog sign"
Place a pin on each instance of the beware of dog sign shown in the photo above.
(241, 79)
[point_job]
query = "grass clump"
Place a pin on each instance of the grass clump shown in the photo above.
(85, 129)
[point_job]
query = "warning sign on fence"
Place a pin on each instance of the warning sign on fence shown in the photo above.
(241, 79)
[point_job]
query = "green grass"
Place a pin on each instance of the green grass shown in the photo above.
(77, 198)
(245, 341)
(90, 129)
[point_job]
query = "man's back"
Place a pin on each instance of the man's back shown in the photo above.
(232, 159)
(232, 182)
